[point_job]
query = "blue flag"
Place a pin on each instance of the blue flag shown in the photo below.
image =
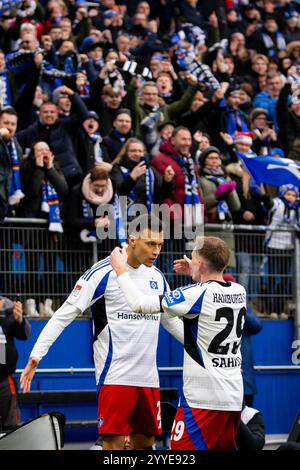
(7, 5)
(272, 170)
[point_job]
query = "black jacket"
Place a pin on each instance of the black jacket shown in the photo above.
(31, 184)
(59, 138)
(114, 141)
(124, 183)
(289, 125)
(85, 153)
(12, 329)
(107, 115)
(251, 436)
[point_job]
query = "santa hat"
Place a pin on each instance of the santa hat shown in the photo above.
(243, 137)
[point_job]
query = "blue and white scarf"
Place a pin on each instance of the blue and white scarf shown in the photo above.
(192, 203)
(120, 229)
(50, 205)
(149, 186)
(5, 90)
(98, 64)
(97, 139)
(291, 211)
(235, 122)
(222, 206)
(90, 235)
(15, 193)
(87, 235)
(6, 5)
(269, 43)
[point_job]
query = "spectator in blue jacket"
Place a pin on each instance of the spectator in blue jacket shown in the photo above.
(268, 99)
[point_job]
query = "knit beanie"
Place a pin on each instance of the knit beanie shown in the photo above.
(204, 154)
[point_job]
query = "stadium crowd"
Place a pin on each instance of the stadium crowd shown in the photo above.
(154, 101)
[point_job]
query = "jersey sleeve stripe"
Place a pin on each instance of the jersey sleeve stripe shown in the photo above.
(196, 308)
(95, 267)
(189, 286)
(101, 286)
(107, 363)
(88, 277)
(192, 427)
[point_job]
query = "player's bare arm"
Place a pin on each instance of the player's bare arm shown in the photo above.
(136, 300)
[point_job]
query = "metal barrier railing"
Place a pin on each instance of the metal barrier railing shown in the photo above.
(270, 275)
(36, 263)
(90, 370)
(266, 273)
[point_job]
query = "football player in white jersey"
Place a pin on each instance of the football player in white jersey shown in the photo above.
(213, 314)
(125, 342)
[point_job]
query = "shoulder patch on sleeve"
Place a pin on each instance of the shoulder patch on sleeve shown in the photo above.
(173, 298)
(76, 291)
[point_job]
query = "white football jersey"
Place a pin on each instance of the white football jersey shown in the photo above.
(125, 342)
(213, 314)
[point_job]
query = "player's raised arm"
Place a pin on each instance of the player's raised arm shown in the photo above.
(180, 302)
(137, 301)
(184, 301)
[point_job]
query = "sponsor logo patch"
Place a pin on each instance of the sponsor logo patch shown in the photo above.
(174, 297)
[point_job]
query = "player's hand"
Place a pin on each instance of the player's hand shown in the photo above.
(28, 374)
(183, 266)
(118, 260)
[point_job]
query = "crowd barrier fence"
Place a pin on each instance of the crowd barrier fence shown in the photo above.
(38, 264)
